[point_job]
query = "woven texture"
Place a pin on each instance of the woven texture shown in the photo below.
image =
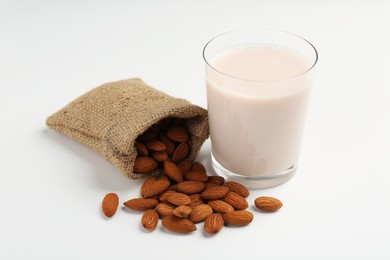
(110, 117)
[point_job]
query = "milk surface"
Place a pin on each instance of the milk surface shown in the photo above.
(257, 101)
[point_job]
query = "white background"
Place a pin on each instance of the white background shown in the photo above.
(335, 207)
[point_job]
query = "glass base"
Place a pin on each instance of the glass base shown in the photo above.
(255, 182)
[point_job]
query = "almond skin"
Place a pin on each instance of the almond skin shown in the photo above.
(141, 204)
(185, 166)
(269, 204)
(181, 152)
(197, 166)
(195, 200)
(220, 206)
(155, 145)
(210, 185)
(190, 187)
(165, 209)
(215, 193)
(150, 219)
(196, 176)
(178, 134)
(172, 171)
(180, 225)
(152, 187)
(179, 199)
(213, 223)
(237, 187)
(236, 200)
(219, 180)
(144, 164)
(159, 156)
(200, 213)
(110, 204)
(169, 144)
(163, 196)
(238, 218)
(182, 211)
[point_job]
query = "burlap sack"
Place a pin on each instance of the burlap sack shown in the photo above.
(110, 117)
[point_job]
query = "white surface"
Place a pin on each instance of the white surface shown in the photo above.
(337, 205)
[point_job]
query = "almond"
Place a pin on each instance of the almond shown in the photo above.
(141, 204)
(195, 200)
(149, 219)
(219, 180)
(144, 164)
(213, 223)
(182, 211)
(159, 156)
(197, 166)
(169, 144)
(237, 187)
(269, 204)
(155, 145)
(179, 199)
(220, 206)
(210, 185)
(172, 171)
(181, 152)
(152, 187)
(185, 166)
(163, 196)
(200, 212)
(110, 204)
(180, 225)
(196, 176)
(178, 134)
(173, 187)
(165, 209)
(141, 148)
(215, 193)
(236, 200)
(190, 187)
(238, 218)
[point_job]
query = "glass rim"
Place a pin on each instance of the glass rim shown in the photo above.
(259, 29)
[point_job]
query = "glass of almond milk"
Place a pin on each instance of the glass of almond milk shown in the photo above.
(258, 89)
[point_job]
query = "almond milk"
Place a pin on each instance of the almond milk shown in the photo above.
(257, 101)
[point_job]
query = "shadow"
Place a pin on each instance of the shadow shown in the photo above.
(100, 172)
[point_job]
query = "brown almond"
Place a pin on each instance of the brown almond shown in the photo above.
(178, 199)
(238, 218)
(220, 206)
(172, 171)
(196, 176)
(195, 200)
(215, 193)
(150, 219)
(197, 166)
(210, 185)
(159, 156)
(173, 187)
(144, 164)
(165, 209)
(163, 196)
(200, 213)
(155, 145)
(141, 149)
(170, 146)
(237, 187)
(213, 223)
(236, 200)
(219, 180)
(141, 204)
(269, 204)
(178, 134)
(175, 224)
(185, 166)
(182, 211)
(181, 152)
(152, 187)
(190, 187)
(110, 204)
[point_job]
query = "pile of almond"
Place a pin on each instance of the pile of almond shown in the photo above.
(185, 195)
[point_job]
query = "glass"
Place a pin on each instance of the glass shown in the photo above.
(258, 89)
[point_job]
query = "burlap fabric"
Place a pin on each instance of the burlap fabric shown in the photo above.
(110, 117)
